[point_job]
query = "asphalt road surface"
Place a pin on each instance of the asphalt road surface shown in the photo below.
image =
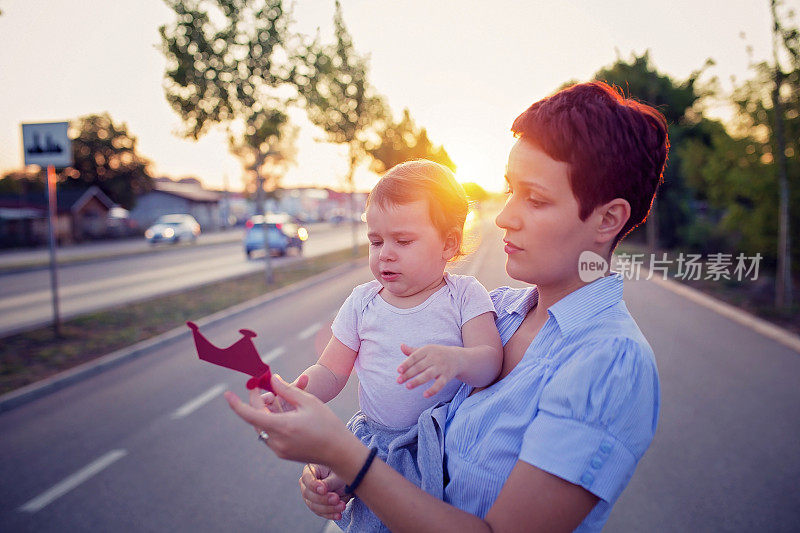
(26, 300)
(152, 446)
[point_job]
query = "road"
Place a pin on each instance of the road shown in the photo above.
(166, 454)
(90, 286)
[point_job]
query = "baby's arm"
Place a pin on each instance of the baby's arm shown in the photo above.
(477, 363)
(327, 378)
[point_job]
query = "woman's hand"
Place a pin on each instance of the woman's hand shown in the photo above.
(323, 491)
(431, 362)
(281, 405)
(310, 432)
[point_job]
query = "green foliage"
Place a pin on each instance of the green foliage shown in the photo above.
(228, 64)
(104, 154)
(677, 100)
(332, 80)
(734, 169)
(19, 182)
(403, 141)
(475, 193)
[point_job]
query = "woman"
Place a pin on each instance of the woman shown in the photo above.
(553, 442)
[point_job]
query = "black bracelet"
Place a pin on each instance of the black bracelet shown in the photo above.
(349, 489)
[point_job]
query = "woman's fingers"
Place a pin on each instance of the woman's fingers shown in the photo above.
(293, 395)
(248, 413)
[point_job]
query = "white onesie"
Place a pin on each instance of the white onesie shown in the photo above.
(375, 329)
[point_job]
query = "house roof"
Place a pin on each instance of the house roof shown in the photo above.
(188, 191)
(67, 199)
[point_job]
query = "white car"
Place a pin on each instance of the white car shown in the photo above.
(173, 229)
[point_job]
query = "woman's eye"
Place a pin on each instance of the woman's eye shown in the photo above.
(375, 243)
(403, 243)
(534, 202)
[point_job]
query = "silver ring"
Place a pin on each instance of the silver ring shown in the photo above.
(263, 436)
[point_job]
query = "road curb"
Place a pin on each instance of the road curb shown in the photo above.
(28, 393)
(759, 325)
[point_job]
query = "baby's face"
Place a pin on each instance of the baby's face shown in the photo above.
(406, 253)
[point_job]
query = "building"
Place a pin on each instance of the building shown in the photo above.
(81, 214)
(170, 197)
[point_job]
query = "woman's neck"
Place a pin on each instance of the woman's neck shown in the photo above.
(549, 295)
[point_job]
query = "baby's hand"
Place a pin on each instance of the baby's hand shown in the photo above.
(439, 363)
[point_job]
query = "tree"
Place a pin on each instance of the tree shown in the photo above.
(787, 37)
(671, 218)
(332, 80)
(265, 147)
(475, 193)
(228, 64)
(746, 171)
(402, 141)
(104, 154)
(22, 182)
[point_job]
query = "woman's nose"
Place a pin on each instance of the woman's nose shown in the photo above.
(506, 219)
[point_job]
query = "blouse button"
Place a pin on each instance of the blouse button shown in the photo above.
(587, 478)
(596, 463)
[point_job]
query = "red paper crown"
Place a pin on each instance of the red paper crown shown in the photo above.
(241, 355)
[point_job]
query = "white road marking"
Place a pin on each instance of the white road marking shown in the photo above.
(309, 331)
(273, 354)
(193, 405)
(72, 481)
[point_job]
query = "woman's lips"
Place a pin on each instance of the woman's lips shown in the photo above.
(510, 248)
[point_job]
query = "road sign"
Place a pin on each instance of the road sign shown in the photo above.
(47, 144)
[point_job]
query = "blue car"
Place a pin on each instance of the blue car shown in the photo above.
(282, 235)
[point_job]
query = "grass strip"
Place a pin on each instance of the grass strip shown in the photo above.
(36, 354)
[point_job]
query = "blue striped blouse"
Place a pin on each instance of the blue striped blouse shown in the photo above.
(582, 403)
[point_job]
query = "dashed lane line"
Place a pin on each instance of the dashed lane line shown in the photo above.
(193, 405)
(309, 331)
(73, 481)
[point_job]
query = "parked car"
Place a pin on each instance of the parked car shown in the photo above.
(282, 235)
(173, 229)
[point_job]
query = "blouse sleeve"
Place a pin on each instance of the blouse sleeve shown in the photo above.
(596, 417)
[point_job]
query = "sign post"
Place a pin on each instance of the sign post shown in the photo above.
(48, 145)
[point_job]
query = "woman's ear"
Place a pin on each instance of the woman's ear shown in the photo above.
(612, 217)
(452, 243)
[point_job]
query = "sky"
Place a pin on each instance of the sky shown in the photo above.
(464, 68)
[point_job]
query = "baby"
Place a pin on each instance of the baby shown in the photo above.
(413, 324)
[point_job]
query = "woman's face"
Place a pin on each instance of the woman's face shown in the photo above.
(544, 236)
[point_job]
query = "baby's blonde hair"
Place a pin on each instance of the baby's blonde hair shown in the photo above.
(422, 179)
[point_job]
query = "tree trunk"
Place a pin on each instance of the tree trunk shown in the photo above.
(783, 287)
(354, 219)
(268, 273)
